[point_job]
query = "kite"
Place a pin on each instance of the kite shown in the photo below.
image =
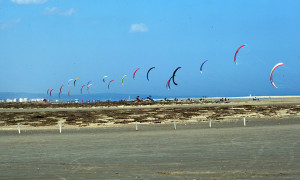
(88, 83)
(123, 79)
(237, 52)
(61, 88)
(81, 88)
(69, 92)
(88, 87)
(202, 66)
(271, 75)
(148, 72)
(70, 80)
(75, 81)
(135, 72)
(109, 83)
(173, 77)
(168, 83)
(104, 78)
(51, 92)
(48, 90)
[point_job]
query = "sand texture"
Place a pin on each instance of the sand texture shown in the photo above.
(100, 141)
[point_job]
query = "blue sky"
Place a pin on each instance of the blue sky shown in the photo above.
(44, 43)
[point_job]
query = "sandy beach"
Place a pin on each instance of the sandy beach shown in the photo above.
(99, 141)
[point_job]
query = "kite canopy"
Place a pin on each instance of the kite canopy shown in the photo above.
(88, 83)
(109, 83)
(271, 75)
(88, 87)
(75, 82)
(168, 83)
(48, 90)
(51, 92)
(173, 77)
(103, 79)
(69, 92)
(135, 72)
(81, 88)
(123, 79)
(61, 88)
(148, 72)
(202, 66)
(70, 81)
(237, 52)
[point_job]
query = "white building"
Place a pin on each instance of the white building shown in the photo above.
(23, 100)
(36, 100)
(11, 100)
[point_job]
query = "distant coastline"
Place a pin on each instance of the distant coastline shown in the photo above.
(33, 97)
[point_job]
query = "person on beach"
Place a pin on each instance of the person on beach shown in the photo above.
(138, 98)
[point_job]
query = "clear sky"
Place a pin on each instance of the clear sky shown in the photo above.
(44, 43)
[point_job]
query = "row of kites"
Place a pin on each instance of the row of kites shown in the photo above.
(171, 79)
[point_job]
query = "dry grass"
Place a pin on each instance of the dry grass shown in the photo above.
(143, 115)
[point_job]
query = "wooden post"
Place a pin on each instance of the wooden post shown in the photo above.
(209, 123)
(244, 122)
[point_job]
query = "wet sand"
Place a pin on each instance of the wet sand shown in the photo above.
(265, 149)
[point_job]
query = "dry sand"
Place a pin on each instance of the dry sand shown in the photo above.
(263, 150)
(100, 141)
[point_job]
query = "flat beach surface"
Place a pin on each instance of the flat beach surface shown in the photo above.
(267, 148)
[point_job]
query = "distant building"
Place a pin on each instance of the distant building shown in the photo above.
(23, 100)
(11, 100)
(36, 100)
(8, 100)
